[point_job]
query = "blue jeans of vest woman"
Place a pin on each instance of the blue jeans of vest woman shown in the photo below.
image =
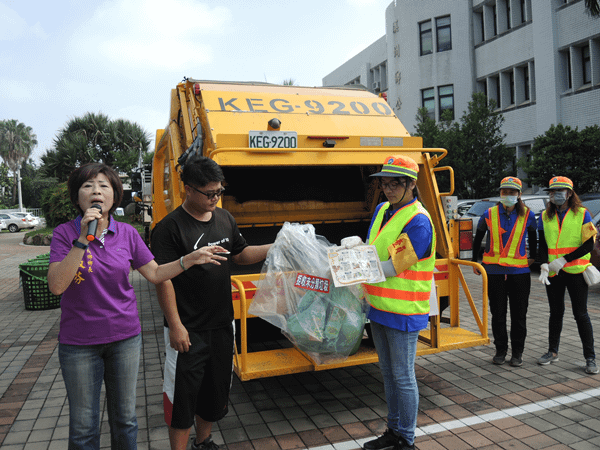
(578, 292)
(84, 368)
(397, 351)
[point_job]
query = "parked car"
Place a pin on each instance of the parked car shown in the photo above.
(2, 225)
(535, 202)
(464, 205)
(31, 220)
(14, 223)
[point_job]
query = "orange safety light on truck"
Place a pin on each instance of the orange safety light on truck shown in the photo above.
(298, 154)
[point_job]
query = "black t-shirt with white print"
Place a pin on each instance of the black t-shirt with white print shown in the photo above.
(203, 291)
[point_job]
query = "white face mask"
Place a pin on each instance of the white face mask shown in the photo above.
(558, 198)
(509, 200)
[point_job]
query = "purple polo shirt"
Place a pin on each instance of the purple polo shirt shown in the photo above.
(100, 306)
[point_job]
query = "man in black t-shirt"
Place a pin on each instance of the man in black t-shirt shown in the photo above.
(197, 306)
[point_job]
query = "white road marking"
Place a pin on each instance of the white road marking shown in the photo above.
(474, 420)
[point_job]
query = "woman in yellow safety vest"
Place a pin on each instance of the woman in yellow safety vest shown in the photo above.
(507, 267)
(567, 238)
(403, 233)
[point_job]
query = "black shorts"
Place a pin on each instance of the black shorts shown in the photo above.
(198, 382)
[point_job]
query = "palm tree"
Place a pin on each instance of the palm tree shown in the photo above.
(593, 7)
(16, 144)
(95, 137)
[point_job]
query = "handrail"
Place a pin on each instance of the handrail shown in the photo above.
(446, 169)
(243, 330)
(212, 153)
(481, 322)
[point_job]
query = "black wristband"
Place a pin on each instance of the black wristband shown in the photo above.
(78, 244)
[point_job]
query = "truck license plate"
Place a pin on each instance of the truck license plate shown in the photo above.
(273, 139)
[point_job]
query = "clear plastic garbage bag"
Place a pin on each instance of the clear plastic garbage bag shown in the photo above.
(296, 293)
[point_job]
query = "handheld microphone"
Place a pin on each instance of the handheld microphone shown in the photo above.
(93, 225)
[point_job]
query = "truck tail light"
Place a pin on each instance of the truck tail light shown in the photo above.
(465, 238)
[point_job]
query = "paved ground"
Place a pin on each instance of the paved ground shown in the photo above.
(466, 402)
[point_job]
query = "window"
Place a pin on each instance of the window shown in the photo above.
(428, 102)
(511, 81)
(495, 17)
(444, 36)
(523, 14)
(569, 73)
(508, 14)
(586, 64)
(526, 83)
(446, 99)
(426, 38)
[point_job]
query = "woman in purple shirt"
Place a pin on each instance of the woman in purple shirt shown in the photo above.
(99, 337)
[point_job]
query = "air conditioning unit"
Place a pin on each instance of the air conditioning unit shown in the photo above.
(376, 85)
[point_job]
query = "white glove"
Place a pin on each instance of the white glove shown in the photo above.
(591, 275)
(557, 264)
(544, 271)
(352, 241)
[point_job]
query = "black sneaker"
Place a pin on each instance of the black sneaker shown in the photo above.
(403, 445)
(499, 358)
(207, 444)
(548, 358)
(590, 366)
(389, 440)
(516, 360)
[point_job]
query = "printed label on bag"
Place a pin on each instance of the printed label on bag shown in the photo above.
(312, 283)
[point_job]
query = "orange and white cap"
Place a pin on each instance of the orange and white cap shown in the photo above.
(559, 183)
(511, 183)
(398, 166)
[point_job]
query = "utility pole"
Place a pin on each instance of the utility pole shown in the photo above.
(19, 188)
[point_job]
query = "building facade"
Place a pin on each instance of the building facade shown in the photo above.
(539, 60)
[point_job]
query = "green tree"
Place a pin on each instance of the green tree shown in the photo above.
(593, 7)
(565, 151)
(94, 137)
(57, 206)
(475, 144)
(17, 141)
(6, 183)
(34, 184)
(289, 82)
(426, 128)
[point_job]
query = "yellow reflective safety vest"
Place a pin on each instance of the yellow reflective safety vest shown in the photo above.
(505, 255)
(408, 292)
(564, 238)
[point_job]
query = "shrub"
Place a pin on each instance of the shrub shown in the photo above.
(57, 206)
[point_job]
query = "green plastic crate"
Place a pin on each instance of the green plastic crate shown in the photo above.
(34, 279)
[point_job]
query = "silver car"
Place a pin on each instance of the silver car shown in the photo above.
(31, 220)
(2, 225)
(15, 223)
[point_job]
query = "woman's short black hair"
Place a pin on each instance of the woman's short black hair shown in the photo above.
(87, 172)
(200, 171)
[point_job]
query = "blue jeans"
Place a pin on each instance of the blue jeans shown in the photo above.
(397, 351)
(84, 367)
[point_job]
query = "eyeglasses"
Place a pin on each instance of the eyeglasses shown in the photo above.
(210, 195)
(392, 185)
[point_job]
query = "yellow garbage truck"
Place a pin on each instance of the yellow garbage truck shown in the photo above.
(304, 155)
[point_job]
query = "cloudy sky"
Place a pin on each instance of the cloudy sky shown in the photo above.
(61, 59)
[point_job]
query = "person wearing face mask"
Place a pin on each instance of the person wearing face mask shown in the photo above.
(507, 266)
(566, 240)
